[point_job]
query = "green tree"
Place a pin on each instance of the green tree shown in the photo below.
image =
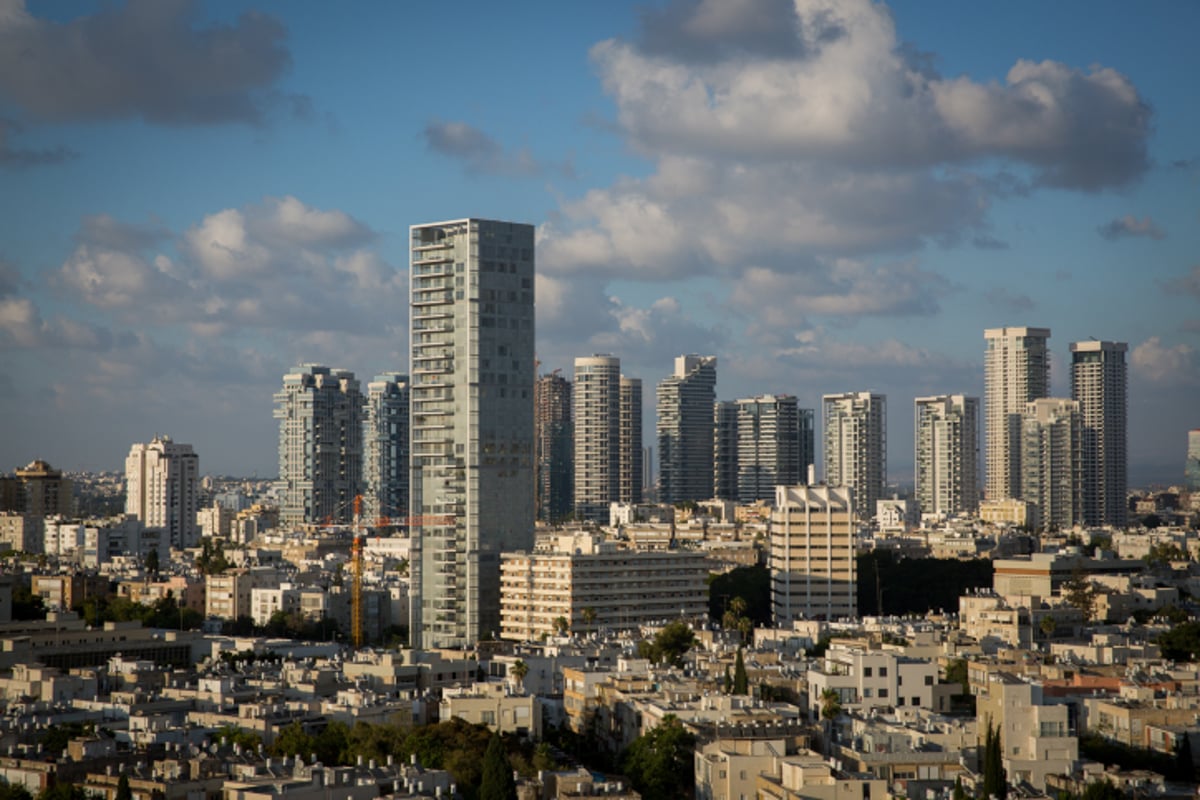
(561, 625)
(589, 616)
(1181, 643)
(123, 790)
(1185, 766)
(741, 681)
(519, 670)
(995, 781)
(956, 672)
(831, 705)
(293, 740)
(727, 681)
(1079, 592)
(1048, 626)
(1102, 790)
(672, 642)
(498, 783)
(63, 791)
(959, 792)
(231, 734)
(14, 791)
(659, 763)
(152, 564)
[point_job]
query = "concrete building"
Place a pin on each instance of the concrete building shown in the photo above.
(553, 440)
(947, 454)
(228, 594)
(1035, 737)
(856, 446)
(1050, 463)
(162, 489)
(685, 430)
(594, 585)
(1191, 469)
(37, 489)
(725, 450)
(631, 455)
(22, 532)
(768, 446)
(1016, 370)
(812, 554)
(472, 370)
(870, 679)
(320, 445)
(1099, 383)
(385, 447)
(597, 438)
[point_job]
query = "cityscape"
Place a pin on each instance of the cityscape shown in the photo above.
(809, 414)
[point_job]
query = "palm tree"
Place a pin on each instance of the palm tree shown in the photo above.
(831, 705)
(519, 670)
(561, 625)
(589, 616)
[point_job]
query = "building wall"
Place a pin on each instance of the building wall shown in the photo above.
(1099, 383)
(1016, 370)
(856, 446)
(553, 441)
(768, 442)
(1050, 462)
(597, 435)
(947, 454)
(685, 430)
(812, 554)
(385, 447)
(162, 488)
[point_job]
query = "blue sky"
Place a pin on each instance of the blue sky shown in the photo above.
(829, 196)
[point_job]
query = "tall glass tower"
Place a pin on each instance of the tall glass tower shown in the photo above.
(471, 460)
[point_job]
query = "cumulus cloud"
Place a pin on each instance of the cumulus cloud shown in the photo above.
(145, 59)
(13, 156)
(1130, 226)
(1185, 284)
(481, 154)
(1159, 363)
(22, 327)
(1000, 297)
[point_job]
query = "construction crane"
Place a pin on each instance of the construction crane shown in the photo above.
(356, 567)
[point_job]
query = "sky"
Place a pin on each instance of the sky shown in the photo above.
(828, 196)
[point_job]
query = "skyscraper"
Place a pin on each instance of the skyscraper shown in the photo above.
(768, 446)
(685, 430)
(162, 489)
(553, 442)
(631, 458)
(813, 571)
(471, 460)
(856, 446)
(597, 435)
(320, 413)
(1050, 462)
(947, 454)
(725, 450)
(385, 447)
(1191, 470)
(1016, 370)
(1099, 384)
(806, 422)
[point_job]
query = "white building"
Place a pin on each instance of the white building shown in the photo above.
(812, 554)
(685, 430)
(385, 447)
(947, 454)
(161, 488)
(856, 446)
(597, 452)
(872, 679)
(320, 445)
(1050, 464)
(1099, 382)
(1016, 370)
(472, 371)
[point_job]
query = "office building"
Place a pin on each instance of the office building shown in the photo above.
(597, 398)
(812, 554)
(385, 449)
(685, 430)
(856, 446)
(1099, 383)
(1191, 469)
(162, 489)
(553, 441)
(725, 450)
(768, 446)
(594, 585)
(1050, 463)
(320, 412)
(1016, 370)
(947, 454)
(806, 423)
(631, 458)
(472, 374)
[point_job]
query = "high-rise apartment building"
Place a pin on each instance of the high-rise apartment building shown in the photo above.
(162, 489)
(806, 422)
(554, 432)
(385, 448)
(1191, 469)
(631, 458)
(725, 450)
(856, 446)
(597, 435)
(813, 573)
(685, 430)
(768, 442)
(1099, 383)
(472, 371)
(320, 413)
(947, 454)
(1016, 370)
(37, 489)
(1050, 462)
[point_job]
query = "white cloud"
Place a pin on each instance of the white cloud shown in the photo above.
(1159, 363)
(1131, 226)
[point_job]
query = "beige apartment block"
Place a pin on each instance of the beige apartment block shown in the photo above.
(812, 554)
(594, 585)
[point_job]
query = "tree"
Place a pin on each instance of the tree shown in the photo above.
(831, 705)
(670, 643)
(959, 792)
(14, 791)
(152, 564)
(1181, 643)
(956, 672)
(561, 625)
(519, 670)
(498, 783)
(995, 781)
(1079, 592)
(660, 762)
(123, 790)
(741, 681)
(1048, 626)
(293, 740)
(1185, 767)
(589, 616)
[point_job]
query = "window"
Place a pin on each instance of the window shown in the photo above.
(883, 693)
(883, 672)
(867, 672)
(916, 701)
(929, 680)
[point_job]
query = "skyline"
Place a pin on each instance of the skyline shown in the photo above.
(845, 209)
